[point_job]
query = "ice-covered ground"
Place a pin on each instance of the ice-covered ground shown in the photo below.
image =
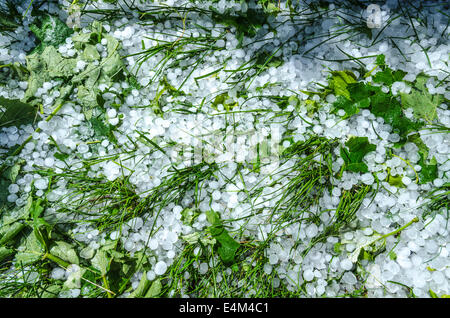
(204, 59)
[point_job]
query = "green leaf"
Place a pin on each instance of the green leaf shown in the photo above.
(58, 66)
(381, 60)
(51, 291)
(90, 53)
(8, 232)
(363, 247)
(188, 216)
(392, 255)
(5, 253)
(4, 192)
(337, 248)
(74, 279)
(32, 252)
(46, 66)
(92, 72)
(101, 262)
(433, 294)
(360, 94)
(191, 238)
(429, 171)
(38, 74)
(395, 181)
(357, 148)
(61, 156)
(36, 209)
(423, 149)
(142, 288)
(16, 214)
(50, 31)
(154, 290)
(41, 228)
(81, 38)
(387, 107)
(101, 129)
(112, 44)
(359, 91)
(65, 252)
(112, 64)
(6, 178)
(12, 172)
(213, 217)
(227, 246)
(339, 82)
(385, 77)
(87, 97)
(15, 113)
(87, 252)
(421, 101)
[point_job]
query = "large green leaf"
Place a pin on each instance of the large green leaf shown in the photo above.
(154, 290)
(5, 253)
(50, 31)
(226, 245)
(58, 66)
(429, 170)
(101, 261)
(8, 232)
(339, 82)
(65, 251)
(51, 291)
(32, 251)
(421, 101)
(357, 148)
(386, 75)
(142, 288)
(13, 112)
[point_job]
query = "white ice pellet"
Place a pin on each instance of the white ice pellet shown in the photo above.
(367, 178)
(114, 121)
(349, 278)
(151, 275)
(308, 275)
(153, 244)
(58, 273)
(203, 268)
(111, 113)
(12, 198)
(82, 148)
(346, 264)
(160, 268)
(13, 188)
(41, 183)
(81, 65)
(49, 161)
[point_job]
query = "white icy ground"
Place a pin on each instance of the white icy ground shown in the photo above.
(423, 244)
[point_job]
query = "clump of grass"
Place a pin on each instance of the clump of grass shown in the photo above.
(437, 202)
(9, 16)
(245, 278)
